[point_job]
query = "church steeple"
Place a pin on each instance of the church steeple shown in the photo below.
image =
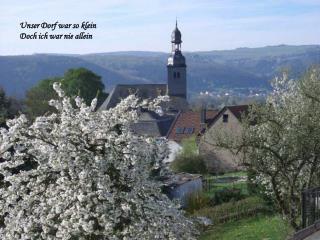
(177, 83)
(176, 39)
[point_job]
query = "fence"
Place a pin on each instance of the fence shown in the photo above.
(310, 206)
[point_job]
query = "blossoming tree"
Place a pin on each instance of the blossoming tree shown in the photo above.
(82, 174)
(281, 141)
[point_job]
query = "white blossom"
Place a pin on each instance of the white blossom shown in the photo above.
(81, 174)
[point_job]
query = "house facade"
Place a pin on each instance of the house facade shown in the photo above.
(227, 122)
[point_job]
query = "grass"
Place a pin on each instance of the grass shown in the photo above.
(224, 212)
(231, 174)
(261, 227)
(247, 219)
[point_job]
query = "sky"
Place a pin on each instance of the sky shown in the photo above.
(146, 25)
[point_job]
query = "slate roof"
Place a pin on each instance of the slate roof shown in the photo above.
(188, 123)
(153, 125)
(149, 124)
(143, 91)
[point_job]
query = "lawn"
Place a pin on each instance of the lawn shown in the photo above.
(246, 219)
(266, 227)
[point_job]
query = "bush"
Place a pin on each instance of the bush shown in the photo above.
(196, 201)
(189, 164)
(226, 195)
(189, 159)
(250, 206)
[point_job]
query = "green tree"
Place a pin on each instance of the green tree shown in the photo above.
(84, 83)
(79, 81)
(38, 97)
(4, 107)
(9, 107)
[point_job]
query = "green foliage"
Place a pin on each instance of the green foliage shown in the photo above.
(189, 146)
(196, 201)
(253, 228)
(225, 212)
(4, 105)
(38, 97)
(189, 160)
(227, 195)
(9, 107)
(75, 82)
(84, 83)
(218, 183)
(189, 164)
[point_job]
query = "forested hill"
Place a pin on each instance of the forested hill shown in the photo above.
(243, 67)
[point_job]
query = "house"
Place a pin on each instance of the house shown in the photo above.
(190, 123)
(227, 121)
(150, 124)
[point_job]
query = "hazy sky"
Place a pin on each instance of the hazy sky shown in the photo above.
(147, 24)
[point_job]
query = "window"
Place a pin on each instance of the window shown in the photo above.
(189, 130)
(179, 130)
(174, 74)
(225, 117)
(178, 74)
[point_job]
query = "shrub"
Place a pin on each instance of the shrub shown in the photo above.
(196, 201)
(189, 164)
(227, 195)
(189, 159)
(250, 206)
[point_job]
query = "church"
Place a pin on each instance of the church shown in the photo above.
(150, 123)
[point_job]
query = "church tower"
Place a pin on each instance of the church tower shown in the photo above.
(177, 79)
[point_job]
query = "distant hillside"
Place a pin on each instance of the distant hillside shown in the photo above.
(243, 67)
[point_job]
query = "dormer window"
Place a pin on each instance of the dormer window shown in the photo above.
(189, 130)
(225, 118)
(179, 130)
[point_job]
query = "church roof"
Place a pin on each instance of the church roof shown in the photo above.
(150, 123)
(143, 91)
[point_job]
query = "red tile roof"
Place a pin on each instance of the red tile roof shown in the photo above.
(187, 124)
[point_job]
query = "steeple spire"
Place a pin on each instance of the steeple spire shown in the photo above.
(177, 82)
